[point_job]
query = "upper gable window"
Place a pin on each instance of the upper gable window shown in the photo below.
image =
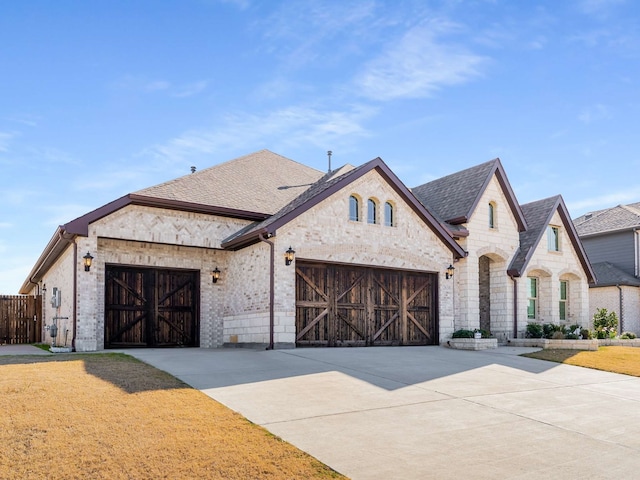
(553, 238)
(354, 208)
(389, 221)
(372, 211)
(492, 215)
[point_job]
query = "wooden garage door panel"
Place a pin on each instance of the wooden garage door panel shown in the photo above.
(343, 305)
(151, 307)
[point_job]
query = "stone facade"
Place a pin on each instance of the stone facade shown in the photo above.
(613, 298)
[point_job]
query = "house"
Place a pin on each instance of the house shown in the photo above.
(611, 238)
(266, 252)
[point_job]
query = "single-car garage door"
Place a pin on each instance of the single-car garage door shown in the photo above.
(340, 305)
(147, 307)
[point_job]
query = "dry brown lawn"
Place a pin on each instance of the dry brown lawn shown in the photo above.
(611, 359)
(109, 416)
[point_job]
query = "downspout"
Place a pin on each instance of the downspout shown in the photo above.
(271, 287)
(75, 288)
(621, 298)
(515, 306)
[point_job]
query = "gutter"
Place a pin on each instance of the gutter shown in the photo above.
(621, 298)
(515, 305)
(271, 287)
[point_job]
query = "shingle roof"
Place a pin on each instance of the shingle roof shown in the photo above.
(259, 182)
(609, 275)
(621, 217)
(538, 215)
(454, 198)
(326, 186)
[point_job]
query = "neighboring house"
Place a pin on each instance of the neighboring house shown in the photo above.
(611, 238)
(266, 252)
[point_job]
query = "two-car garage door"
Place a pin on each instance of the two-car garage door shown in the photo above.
(339, 305)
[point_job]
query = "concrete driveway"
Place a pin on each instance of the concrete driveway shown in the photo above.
(427, 412)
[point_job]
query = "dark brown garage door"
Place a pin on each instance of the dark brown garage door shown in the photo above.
(340, 305)
(151, 307)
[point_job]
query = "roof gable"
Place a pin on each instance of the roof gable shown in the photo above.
(538, 215)
(455, 197)
(327, 186)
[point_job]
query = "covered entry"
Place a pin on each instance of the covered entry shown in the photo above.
(147, 307)
(345, 305)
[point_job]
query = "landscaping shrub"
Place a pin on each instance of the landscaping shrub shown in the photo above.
(557, 335)
(462, 333)
(534, 330)
(628, 335)
(605, 323)
(549, 330)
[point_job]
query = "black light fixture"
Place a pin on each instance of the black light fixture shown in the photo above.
(450, 270)
(87, 262)
(215, 275)
(288, 256)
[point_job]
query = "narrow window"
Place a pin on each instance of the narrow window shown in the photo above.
(553, 238)
(492, 215)
(371, 211)
(563, 300)
(388, 215)
(354, 209)
(532, 295)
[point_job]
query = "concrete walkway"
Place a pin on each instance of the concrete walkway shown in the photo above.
(427, 412)
(22, 350)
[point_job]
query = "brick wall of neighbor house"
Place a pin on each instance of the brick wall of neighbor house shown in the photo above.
(326, 234)
(60, 276)
(499, 244)
(609, 298)
(550, 268)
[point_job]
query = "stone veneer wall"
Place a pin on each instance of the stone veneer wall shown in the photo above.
(499, 244)
(152, 237)
(551, 267)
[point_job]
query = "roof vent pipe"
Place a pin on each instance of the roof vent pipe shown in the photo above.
(329, 155)
(193, 169)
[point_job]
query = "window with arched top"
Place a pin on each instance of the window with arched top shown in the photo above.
(389, 221)
(492, 215)
(354, 208)
(372, 211)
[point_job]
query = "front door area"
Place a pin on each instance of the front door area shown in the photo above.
(147, 307)
(345, 305)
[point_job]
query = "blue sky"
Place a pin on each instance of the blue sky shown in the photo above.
(102, 98)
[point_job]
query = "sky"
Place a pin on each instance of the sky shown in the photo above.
(99, 99)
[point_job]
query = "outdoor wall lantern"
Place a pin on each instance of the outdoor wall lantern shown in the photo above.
(215, 275)
(288, 256)
(87, 262)
(450, 270)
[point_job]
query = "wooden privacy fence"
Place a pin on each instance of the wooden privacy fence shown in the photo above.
(20, 319)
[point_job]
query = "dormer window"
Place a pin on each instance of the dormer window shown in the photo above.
(354, 209)
(372, 211)
(492, 215)
(553, 238)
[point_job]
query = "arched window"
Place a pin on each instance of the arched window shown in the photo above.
(354, 209)
(492, 215)
(372, 214)
(389, 221)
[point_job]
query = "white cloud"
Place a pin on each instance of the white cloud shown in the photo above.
(191, 89)
(6, 225)
(5, 139)
(598, 7)
(594, 113)
(288, 126)
(419, 64)
(608, 200)
(156, 85)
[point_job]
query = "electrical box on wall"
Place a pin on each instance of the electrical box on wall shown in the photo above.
(55, 298)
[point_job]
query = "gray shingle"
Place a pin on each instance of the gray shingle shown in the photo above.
(261, 182)
(608, 275)
(621, 217)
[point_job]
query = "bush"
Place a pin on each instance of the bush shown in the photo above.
(549, 330)
(628, 335)
(462, 333)
(557, 335)
(534, 330)
(605, 323)
(585, 334)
